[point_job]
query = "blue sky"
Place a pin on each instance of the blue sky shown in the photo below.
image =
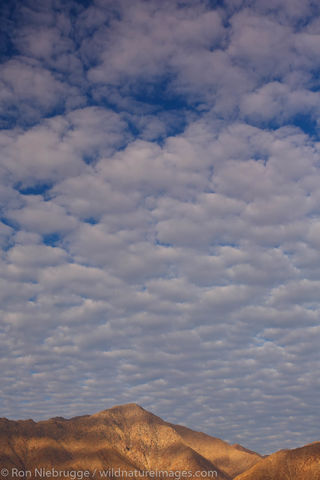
(160, 213)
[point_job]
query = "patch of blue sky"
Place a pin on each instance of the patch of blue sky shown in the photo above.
(91, 220)
(52, 239)
(159, 92)
(28, 114)
(8, 242)
(259, 340)
(36, 189)
(261, 157)
(151, 92)
(163, 244)
(159, 100)
(84, 3)
(215, 3)
(147, 99)
(90, 159)
(314, 82)
(7, 47)
(8, 121)
(10, 223)
(302, 22)
(307, 123)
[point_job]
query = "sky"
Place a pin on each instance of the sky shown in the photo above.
(160, 213)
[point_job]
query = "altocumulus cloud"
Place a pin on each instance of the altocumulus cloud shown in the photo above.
(160, 216)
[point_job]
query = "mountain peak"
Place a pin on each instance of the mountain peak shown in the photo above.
(128, 406)
(123, 410)
(126, 437)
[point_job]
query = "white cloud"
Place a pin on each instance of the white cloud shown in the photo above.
(29, 91)
(58, 147)
(35, 255)
(42, 43)
(149, 38)
(42, 217)
(277, 102)
(261, 44)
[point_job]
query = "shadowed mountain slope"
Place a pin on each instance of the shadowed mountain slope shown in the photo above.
(229, 458)
(126, 437)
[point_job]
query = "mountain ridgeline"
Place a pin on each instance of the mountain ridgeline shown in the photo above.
(127, 439)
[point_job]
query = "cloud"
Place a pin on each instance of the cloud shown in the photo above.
(149, 39)
(277, 102)
(160, 214)
(58, 147)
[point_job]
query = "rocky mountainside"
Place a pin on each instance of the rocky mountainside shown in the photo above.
(298, 464)
(125, 437)
(229, 458)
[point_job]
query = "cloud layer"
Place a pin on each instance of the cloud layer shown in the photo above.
(160, 216)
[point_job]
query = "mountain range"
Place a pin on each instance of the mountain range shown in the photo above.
(126, 439)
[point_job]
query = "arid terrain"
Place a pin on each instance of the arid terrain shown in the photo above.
(298, 464)
(127, 438)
